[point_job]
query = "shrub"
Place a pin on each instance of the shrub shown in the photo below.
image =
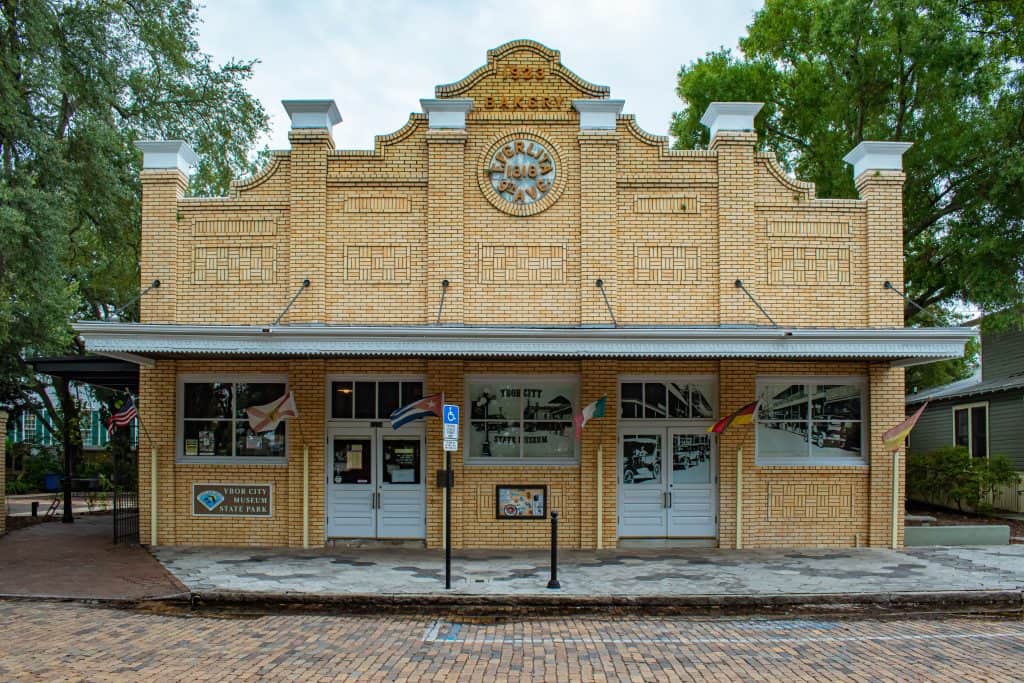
(952, 473)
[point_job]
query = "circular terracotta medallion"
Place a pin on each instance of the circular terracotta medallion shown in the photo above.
(522, 174)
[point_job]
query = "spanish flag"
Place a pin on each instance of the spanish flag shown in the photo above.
(894, 438)
(743, 416)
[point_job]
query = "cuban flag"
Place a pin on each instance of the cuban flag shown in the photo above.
(417, 410)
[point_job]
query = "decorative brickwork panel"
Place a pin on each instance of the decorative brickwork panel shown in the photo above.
(656, 264)
(374, 204)
(541, 263)
(675, 204)
(377, 263)
(485, 501)
(808, 265)
(235, 264)
(809, 501)
(234, 227)
(808, 229)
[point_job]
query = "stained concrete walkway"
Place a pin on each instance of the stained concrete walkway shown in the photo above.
(80, 561)
(628, 573)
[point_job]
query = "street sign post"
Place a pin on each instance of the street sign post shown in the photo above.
(450, 420)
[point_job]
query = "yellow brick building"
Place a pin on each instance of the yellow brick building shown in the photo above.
(524, 249)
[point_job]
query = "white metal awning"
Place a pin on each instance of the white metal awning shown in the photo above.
(902, 346)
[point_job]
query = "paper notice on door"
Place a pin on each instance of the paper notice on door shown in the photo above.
(354, 459)
(403, 476)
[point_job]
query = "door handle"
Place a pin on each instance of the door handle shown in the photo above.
(668, 499)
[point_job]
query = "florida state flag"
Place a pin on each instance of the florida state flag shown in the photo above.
(266, 418)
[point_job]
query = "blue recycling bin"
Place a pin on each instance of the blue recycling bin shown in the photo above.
(51, 482)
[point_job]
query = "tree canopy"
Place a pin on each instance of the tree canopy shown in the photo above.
(945, 75)
(80, 82)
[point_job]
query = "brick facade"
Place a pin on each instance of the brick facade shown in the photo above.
(668, 232)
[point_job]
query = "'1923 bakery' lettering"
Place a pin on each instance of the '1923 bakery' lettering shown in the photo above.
(513, 102)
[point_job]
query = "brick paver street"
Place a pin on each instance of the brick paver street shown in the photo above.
(68, 641)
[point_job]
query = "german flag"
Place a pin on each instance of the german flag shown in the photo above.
(743, 416)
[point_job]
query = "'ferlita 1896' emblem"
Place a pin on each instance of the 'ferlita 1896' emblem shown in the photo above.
(521, 174)
(522, 171)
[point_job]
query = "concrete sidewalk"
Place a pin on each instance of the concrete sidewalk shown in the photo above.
(695, 577)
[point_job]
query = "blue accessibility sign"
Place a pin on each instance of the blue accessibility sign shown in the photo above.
(450, 414)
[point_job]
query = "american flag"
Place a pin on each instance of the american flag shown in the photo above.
(123, 417)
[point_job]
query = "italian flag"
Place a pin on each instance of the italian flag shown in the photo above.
(595, 409)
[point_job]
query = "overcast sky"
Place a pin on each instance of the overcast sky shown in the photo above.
(377, 58)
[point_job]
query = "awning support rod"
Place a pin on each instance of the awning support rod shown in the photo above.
(611, 313)
(739, 284)
(440, 306)
(152, 285)
(303, 286)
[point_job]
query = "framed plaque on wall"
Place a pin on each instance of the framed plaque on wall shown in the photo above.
(521, 501)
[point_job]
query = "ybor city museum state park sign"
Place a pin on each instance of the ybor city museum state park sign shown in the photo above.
(232, 500)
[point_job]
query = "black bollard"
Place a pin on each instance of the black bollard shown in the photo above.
(553, 582)
(35, 508)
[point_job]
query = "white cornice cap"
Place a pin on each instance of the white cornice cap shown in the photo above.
(730, 116)
(446, 113)
(322, 114)
(598, 114)
(167, 154)
(877, 156)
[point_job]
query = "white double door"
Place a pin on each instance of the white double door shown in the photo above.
(375, 483)
(667, 483)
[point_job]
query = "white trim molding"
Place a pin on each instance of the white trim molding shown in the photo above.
(446, 113)
(901, 346)
(730, 116)
(312, 113)
(871, 155)
(167, 155)
(598, 114)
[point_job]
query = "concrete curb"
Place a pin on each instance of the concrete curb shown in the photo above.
(182, 598)
(934, 601)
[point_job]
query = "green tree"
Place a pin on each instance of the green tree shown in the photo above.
(80, 82)
(943, 74)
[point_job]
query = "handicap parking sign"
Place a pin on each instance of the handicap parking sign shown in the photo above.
(450, 414)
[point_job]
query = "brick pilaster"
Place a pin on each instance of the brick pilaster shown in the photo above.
(162, 189)
(446, 169)
(308, 210)
(157, 413)
(886, 403)
(598, 378)
(739, 254)
(446, 376)
(883, 192)
(598, 221)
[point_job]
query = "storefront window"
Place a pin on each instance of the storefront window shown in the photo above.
(667, 400)
(215, 423)
(810, 423)
(521, 420)
(370, 400)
